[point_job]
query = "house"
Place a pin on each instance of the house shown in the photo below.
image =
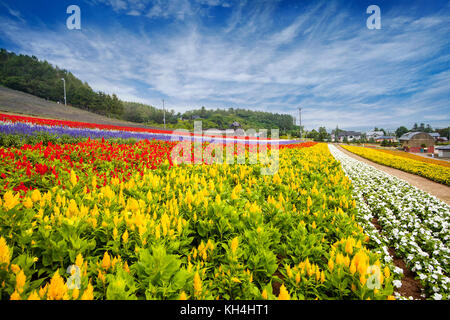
(437, 137)
(374, 134)
(443, 151)
(349, 136)
(385, 138)
(235, 125)
(417, 142)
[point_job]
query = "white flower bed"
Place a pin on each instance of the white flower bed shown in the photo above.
(413, 222)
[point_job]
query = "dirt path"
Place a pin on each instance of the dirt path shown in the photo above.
(436, 189)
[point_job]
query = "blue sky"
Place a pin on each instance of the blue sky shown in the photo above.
(261, 55)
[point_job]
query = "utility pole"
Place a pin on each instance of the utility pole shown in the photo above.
(300, 120)
(164, 111)
(65, 101)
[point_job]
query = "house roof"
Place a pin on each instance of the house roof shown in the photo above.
(349, 133)
(435, 134)
(447, 147)
(372, 133)
(409, 135)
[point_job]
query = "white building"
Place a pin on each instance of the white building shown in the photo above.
(443, 151)
(374, 134)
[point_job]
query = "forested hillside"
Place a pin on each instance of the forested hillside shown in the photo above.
(40, 78)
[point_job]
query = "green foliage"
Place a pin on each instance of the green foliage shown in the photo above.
(401, 131)
(40, 78)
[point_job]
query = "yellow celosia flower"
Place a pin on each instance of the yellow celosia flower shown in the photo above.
(387, 272)
(15, 296)
(391, 298)
(34, 296)
(43, 291)
(349, 247)
(125, 236)
(88, 294)
(197, 284)
(79, 260)
(264, 294)
(10, 200)
(57, 289)
(363, 279)
(125, 267)
(309, 202)
(28, 203)
(289, 272)
(297, 277)
(183, 296)
(20, 281)
(330, 264)
(284, 294)
(234, 244)
(236, 280)
(73, 178)
(106, 262)
(15, 268)
(75, 294)
(352, 268)
(5, 254)
(36, 195)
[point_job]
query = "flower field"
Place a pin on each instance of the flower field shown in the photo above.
(19, 130)
(415, 157)
(103, 220)
(413, 222)
(432, 171)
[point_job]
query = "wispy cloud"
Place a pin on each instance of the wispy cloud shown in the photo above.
(323, 58)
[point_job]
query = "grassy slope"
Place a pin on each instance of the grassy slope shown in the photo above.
(12, 101)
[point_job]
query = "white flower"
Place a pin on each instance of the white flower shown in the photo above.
(437, 296)
(397, 283)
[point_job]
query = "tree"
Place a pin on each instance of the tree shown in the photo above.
(428, 129)
(401, 131)
(313, 134)
(323, 134)
(421, 127)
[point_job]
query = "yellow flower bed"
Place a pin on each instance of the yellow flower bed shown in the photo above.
(416, 157)
(192, 232)
(435, 172)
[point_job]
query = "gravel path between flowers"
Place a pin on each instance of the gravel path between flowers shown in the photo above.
(436, 189)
